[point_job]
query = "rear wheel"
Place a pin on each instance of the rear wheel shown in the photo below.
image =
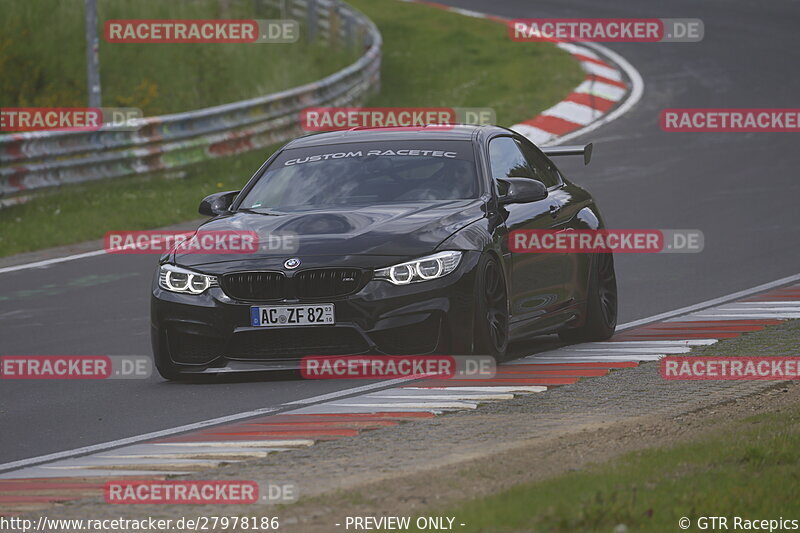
(601, 304)
(491, 310)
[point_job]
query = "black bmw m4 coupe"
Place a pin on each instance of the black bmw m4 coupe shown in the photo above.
(384, 241)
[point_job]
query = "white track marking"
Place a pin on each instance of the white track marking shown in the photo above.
(672, 315)
(488, 388)
(95, 462)
(547, 359)
(132, 440)
(225, 456)
(157, 450)
(44, 472)
(55, 260)
(332, 408)
(753, 310)
(716, 318)
(651, 343)
(748, 316)
(394, 404)
(450, 395)
(262, 443)
(623, 350)
(776, 305)
(412, 391)
(349, 392)
(600, 70)
(467, 12)
(601, 89)
(573, 112)
(532, 133)
(758, 309)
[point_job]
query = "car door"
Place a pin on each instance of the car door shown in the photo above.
(535, 282)
(563, 208)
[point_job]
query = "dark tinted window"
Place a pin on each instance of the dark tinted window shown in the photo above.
(507, 160)
(366, 173)
(543, 169)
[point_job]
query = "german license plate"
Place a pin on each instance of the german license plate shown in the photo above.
(292, 315)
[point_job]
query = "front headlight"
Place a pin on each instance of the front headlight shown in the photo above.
(423, 269)
(176, 279)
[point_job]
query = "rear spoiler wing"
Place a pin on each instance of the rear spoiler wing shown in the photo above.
(585, 151)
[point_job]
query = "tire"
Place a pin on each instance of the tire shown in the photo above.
(601, 304)
(491, 310)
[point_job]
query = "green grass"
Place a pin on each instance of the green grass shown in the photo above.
(753, 472)
(42, 58)
(435, 58)
(86, 211)
(431, 58)
(750, 469)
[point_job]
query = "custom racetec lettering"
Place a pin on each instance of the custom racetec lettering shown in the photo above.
(360, 153)
(343, 174)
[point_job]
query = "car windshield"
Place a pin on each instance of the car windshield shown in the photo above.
(366, 173)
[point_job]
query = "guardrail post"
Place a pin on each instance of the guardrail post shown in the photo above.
(348, 31)
(92, 54)
(334, 22)
(259, 7)
(311, 13)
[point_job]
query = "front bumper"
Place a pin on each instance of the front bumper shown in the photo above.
(211, 332)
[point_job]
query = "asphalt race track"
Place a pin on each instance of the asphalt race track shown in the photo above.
(740, 189)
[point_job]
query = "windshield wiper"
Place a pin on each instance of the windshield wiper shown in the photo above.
(257, 211)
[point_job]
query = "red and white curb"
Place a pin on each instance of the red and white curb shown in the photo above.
(604, 88)
(612, 86)
(38, 486)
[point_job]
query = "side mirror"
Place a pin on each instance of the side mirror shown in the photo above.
(521, 190)
(217, 203)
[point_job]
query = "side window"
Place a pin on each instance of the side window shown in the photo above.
(542, 168)
(507, 160)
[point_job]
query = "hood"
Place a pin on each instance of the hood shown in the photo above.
(409, 229)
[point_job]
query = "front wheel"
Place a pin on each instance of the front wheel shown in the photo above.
(491, 310)
(601, 304)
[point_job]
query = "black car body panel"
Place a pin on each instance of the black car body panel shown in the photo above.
(399, 230)
(211, 332)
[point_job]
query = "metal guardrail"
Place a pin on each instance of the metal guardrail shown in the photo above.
(41, 159)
